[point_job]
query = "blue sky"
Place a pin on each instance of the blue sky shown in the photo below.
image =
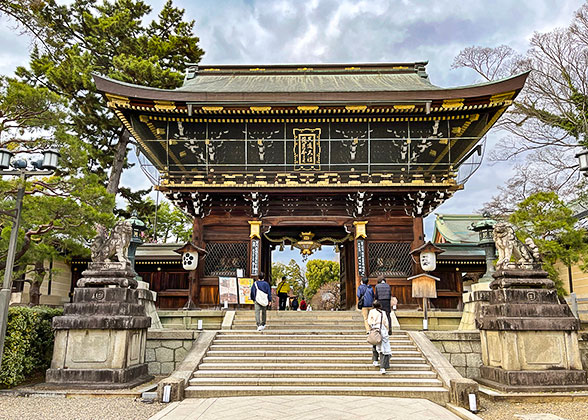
(329, 31)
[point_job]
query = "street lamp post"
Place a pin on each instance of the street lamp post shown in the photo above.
(46, 166)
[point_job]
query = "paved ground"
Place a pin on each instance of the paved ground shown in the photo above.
(294, 407)
(75, 408)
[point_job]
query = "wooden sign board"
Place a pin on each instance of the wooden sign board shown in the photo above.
(424, 286)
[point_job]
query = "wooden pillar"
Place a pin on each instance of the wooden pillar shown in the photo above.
(255, 248)
(360, 248)
(418, 239)
(195, 276)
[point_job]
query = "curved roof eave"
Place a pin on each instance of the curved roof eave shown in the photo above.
(114, 87)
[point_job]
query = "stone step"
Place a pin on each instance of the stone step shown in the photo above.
(303, 314)
(382, 380)
(281, 317)
(374, 373)
(303, 318)
(308, 359)
(269, 337)
(438, 395)
(306, 353)
(302, 347)
(266, 365)
(309, 332)
(287, 327)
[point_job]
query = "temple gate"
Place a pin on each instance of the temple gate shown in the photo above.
(287, 155)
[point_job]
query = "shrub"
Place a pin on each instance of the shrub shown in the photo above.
(29, 343)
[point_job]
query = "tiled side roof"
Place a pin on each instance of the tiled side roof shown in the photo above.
(454, 227)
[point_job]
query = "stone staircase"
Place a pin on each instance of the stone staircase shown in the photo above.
(310, 353)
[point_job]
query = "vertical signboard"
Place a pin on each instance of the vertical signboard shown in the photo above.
(361, 258)
(307, 148)
(255, 257)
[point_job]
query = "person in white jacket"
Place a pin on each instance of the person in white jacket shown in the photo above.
(381, 352)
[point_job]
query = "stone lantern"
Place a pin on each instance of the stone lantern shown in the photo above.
(136, 237)
(485, 228)
(478, 297)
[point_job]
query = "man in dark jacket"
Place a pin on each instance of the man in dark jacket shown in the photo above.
(365, 296)
(383, 295)
(261, 310)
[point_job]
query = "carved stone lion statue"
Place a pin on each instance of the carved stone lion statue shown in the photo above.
(508, 245)
(105, 246)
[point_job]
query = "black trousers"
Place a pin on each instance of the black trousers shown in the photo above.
(384, 359)
(283, 297)
(386, 308)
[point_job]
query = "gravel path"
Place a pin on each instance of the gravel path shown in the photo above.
(75, 408)
(503, 410)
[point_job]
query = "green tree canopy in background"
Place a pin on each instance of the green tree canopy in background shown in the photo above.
(294, 274)
(116, 39)
(279, 270)
(550, 223)
(318, 273)
(58, 211)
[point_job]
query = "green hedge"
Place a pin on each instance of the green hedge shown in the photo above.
(29, 343)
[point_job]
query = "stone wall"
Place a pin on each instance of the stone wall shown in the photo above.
(438, 320)
(583, 344)
(188, 320)
(461, 348)
(166, 349)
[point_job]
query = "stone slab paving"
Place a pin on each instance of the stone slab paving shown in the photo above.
(294, 407)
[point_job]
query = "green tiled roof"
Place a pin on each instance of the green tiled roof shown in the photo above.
(454, 227)
(308, 82)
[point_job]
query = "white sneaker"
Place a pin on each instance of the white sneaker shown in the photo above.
(262, 327)
(383, 371)
(259, 328)
(376, 363)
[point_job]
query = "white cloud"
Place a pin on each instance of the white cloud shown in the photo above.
(285, 31)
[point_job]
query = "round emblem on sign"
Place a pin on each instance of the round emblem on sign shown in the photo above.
(531, 296)
(99, 295)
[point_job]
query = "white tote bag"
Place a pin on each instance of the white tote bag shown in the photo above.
(261, 296)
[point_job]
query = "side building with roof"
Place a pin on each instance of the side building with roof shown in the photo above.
(463, 259)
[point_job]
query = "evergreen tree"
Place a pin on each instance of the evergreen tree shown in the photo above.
(113, 38)
(318, 273)
(550, 223)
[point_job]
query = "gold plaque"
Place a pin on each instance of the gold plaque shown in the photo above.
(307, 149)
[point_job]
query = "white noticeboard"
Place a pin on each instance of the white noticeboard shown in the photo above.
(227, 290)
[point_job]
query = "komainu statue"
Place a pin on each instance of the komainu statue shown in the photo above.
(105, 246)
(508, 245)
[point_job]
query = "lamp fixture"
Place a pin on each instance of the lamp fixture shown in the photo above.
(5, 157)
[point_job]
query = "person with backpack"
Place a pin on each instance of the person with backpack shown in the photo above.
(383, 295)
(365, 299)
(261, 294)
(283, 290)
(302, 304)
(382, 351)
(294, 303)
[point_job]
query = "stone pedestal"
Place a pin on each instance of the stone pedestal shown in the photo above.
(100, 340)
(474, 301)
(529, 340)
